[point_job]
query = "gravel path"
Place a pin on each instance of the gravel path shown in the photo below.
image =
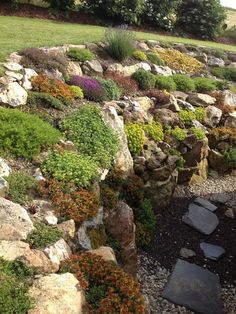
(153, 276)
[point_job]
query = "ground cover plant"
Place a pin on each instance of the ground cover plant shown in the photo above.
(165, 83)
(178, 133)
(126, 84)
(230, 157)
(225, 73)
(45, 100)
(25, 135)
(155, 58)
(145, 79)
(112, 91)
(80, 54)
(139, 55)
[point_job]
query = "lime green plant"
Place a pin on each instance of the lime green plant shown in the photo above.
(178, 133)
(198, 133)
(165, 83)
(135, 136)
(139, 55)
(154, 131)
(155, 58)
(77, 91)
(80, 54)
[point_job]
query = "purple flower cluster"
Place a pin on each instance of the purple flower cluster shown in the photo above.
(91, 88)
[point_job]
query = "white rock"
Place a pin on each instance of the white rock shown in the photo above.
(215, 62)
(58, 252)
(213, 116)
(201, 99)
(83, 239)
(13, 66)
(57, 294)
(14, 57)
(28, 74)
(161, 70)
(74, 68)
(15, 223)
(92, 67)
(15, 75)
(5, 170)
(229, 98)
(50, 218)
(145, 66)
(13, 94)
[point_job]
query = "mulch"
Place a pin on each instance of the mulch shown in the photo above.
(172, 235)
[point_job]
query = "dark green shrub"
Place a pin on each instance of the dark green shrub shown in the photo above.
(198, 133)
(21, 186)
(80, 54)
(155, 58)
(145, 79)
(202, 18)
(135, 137)
(204, 85)
(230, 157)
(45, 100)
(225, 73)
(222, 85)
(15, 278)
(61, 5)
(165, 82)
(71, 167)
(183, 83)
(25, 135)
(91, 135)
(120, 43)
(43, 236)
(113, 92)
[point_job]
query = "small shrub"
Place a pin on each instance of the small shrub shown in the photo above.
(97, 236)
(80, 54)
(179, 61)
(25, 135)
(127, 85)
(69, 202)
(200, 113)
(224, 133)
(21, 186)
(36, 99)
(71, 167)
(54, 87)
(222, 85)
(77, 91)
(115, 292)
(61, 5)
(120, 43)
(165, 82)
(113, 92)
(161, 97)
(145, 79)
(155, 58)
(198, 133)
(133, 191)
(139, 55)
(154, 131)
(39, 60)
(109, 198)
(183, 83)
(98, 140)
(225, 73)
(43, 236)
(15, 282)
(178, 133)
(204, 85)
(186, 116)
(91, 88)
(135, 137)
(230, 157)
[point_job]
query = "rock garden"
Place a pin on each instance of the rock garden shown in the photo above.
(118, 178)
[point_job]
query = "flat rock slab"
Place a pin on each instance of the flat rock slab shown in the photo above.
(201, 219)
(195, 288)
(205, 203)
(212, 251)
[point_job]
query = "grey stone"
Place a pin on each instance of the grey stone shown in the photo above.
(201, 219)
(220, 197)
(194, 287)
(92, 67)
(187, 253)
(12, 66)
(212, 251)
(215, 62)
(213, 116)
(205, 203)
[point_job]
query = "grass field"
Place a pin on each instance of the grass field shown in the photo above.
(18, 33)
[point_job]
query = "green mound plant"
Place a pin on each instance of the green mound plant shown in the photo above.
(198, 133)
(230, 157)
(155, 58)
(135, 137)
(80, 54)
(178, 133)
(91, 135)
(183, 83)
(154, 131)
(25, 135)
(77, 91)
(113, 92)
(204, 85)
(165, 82)
(225, 73)
(145, 79)
(45, 100)
(139, 55)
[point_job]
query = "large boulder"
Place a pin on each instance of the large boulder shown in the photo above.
(15, 223)
(161, 70)
(123, 158)
(58, 252)
(213, 116)
(73, 68)
(120, 225)
(215, 62)
(57, 294)
(28, 75)
(13, 95)
(201, 100)
(12, 66)
(92, 67)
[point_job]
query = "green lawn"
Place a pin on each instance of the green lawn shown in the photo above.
(17, 33)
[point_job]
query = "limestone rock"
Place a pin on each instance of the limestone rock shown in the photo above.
(4, 168)
(201, 100)
(58, 252)
(92, 67)
(213, 116)
(12, 66)
(161, 70)
(15, 223)
(15, 75)
(3, 187)
(57, 294)
(83, 240)
(6, 80)
(14, 58)
(215, 62)
(120, 224)
(73, 68)
(166, 117)
(230, 122)
(13, 95)
(50, 218)
(28, 74)
(106, 253)
(229, 98)
(143, 46)
(68, 228)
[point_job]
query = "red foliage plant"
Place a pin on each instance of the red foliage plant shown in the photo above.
(54, 87)
(70, 203)
(128, 85)
(121, 291)
(161, 98)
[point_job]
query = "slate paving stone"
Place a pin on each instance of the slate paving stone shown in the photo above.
(212, 251)
(201, 219)
(205, 203)
(195, 288)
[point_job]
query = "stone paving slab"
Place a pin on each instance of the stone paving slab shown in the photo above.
(212, 251)
(205, 203)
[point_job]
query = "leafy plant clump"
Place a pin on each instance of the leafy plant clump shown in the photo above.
(71, 167)
(15, 281)
(39, 60)
(80, 54)
(230, 157)
(25, 135)
(165, 82)
(113, 92)
(135, 137)
(154, 131)
(70, 202)
(178, 133)
(36, 99)
(108, 288)
(198, 133)
(126, 84)
(120, 43)
(145, 79)
(77, 91)
(204, 85)
(21, 187)
(43, 236)
(139, 55)
(98, 140)
(184, 83)
(155, 58)
(225, 73)
(188, 116)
